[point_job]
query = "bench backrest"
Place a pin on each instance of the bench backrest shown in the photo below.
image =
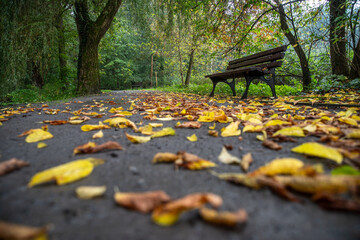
(269, 56)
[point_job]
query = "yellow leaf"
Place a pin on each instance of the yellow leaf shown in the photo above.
(1, 123)
(99, 134)
(319, 150)
(41, 145)
(276, 122)
(232, 130)
(290, 131)
(66, 173)
(166, 157)
(116, 110)
(38, 135)
(253, 128)
(192, 138)
(163, 132)
(310, 128)
(212, 127)
(165, 118)
(87, 127)
(146, 130)
(262, 137)
(348, 121)
(137, 139)
(227, 158)
(279, 166)
(353, 133)
(155, 125)
(89, 192)
(183, 112)
(227, 219)
(298, 117)
(120, 122)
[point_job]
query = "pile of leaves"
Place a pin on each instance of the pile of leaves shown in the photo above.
(330, 122)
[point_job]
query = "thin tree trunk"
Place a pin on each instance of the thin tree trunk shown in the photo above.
(180, 61)
(339, 62)
(152, 68)
(191, 63)
(61, 49)
(90, 33)
(355, 64)
(298, 49)
(37, 78)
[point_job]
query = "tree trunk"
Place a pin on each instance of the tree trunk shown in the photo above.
(355, 64)
(180, 60)
(151, 69)
(306, 75)
(90, 33)
(37, 78)
(191, 63)
(339, 63)
(61, 49)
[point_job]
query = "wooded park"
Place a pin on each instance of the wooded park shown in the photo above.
(57, 49)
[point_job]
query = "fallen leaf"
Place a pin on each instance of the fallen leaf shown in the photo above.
(353, 133)
(155, 125)
(92, 147)
(290, 166)
(165, 157)
(66, 173)
(212, 127)
(192, 138)
(227, 219)
(21, 232)
(191, 124)
(320, 183)
(55, 122)
(319, 150)
(231, 130)
(169, 213)
(142, 202)
(87, 128)
(253, 128)
(89, 192)
(99, 134)
(276, 122)
(290, 131)
(348, 121)
(193, 162)
(345, 170)
(36, 135)
(146, 130)
(168, 131)
(213, 133)
(41, 145)
(227, 158)
(11, 165)
(271, 144)
(246, 161)
(328, 201)
(137, 139)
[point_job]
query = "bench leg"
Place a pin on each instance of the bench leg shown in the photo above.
(214, 81)
(271, 81)
(248, 82)
(232, 86)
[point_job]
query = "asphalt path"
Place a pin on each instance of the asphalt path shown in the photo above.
(131, 170)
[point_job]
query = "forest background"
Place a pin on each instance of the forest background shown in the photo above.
(58, 49)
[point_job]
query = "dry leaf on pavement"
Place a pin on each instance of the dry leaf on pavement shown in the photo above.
(191, 124)
(21, 232)
(168, 214)
(193, 162)
(143, 202)
(246, 161)
(165, 157)
(227, 219)
(137, 139)
(231, 130)
(271, 144)
(89, 192)
(319, 150)
(12, 165)
(92, 147)
(227, 158)
(66, 173)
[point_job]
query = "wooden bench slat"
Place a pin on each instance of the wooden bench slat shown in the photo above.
(257, 55)
(238, 72)
(269, 58)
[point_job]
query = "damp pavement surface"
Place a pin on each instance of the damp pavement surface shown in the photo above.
(131, 170)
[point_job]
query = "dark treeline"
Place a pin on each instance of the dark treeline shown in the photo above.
(66, 47)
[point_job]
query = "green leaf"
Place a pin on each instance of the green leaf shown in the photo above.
(345, 170)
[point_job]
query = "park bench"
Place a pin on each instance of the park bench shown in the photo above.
(252, 67)
(136, 85)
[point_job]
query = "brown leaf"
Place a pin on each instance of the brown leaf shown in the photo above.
(142, 202)
(91, 147)
(213, 133)
(11, 165)
(191, 124)
(20, 232)
(328, 201)
(165, 157)
(169, 213)
(278, 188)
(227, 219)
(246, 161)
(55, 122)
(272, 145)
(193, 162)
